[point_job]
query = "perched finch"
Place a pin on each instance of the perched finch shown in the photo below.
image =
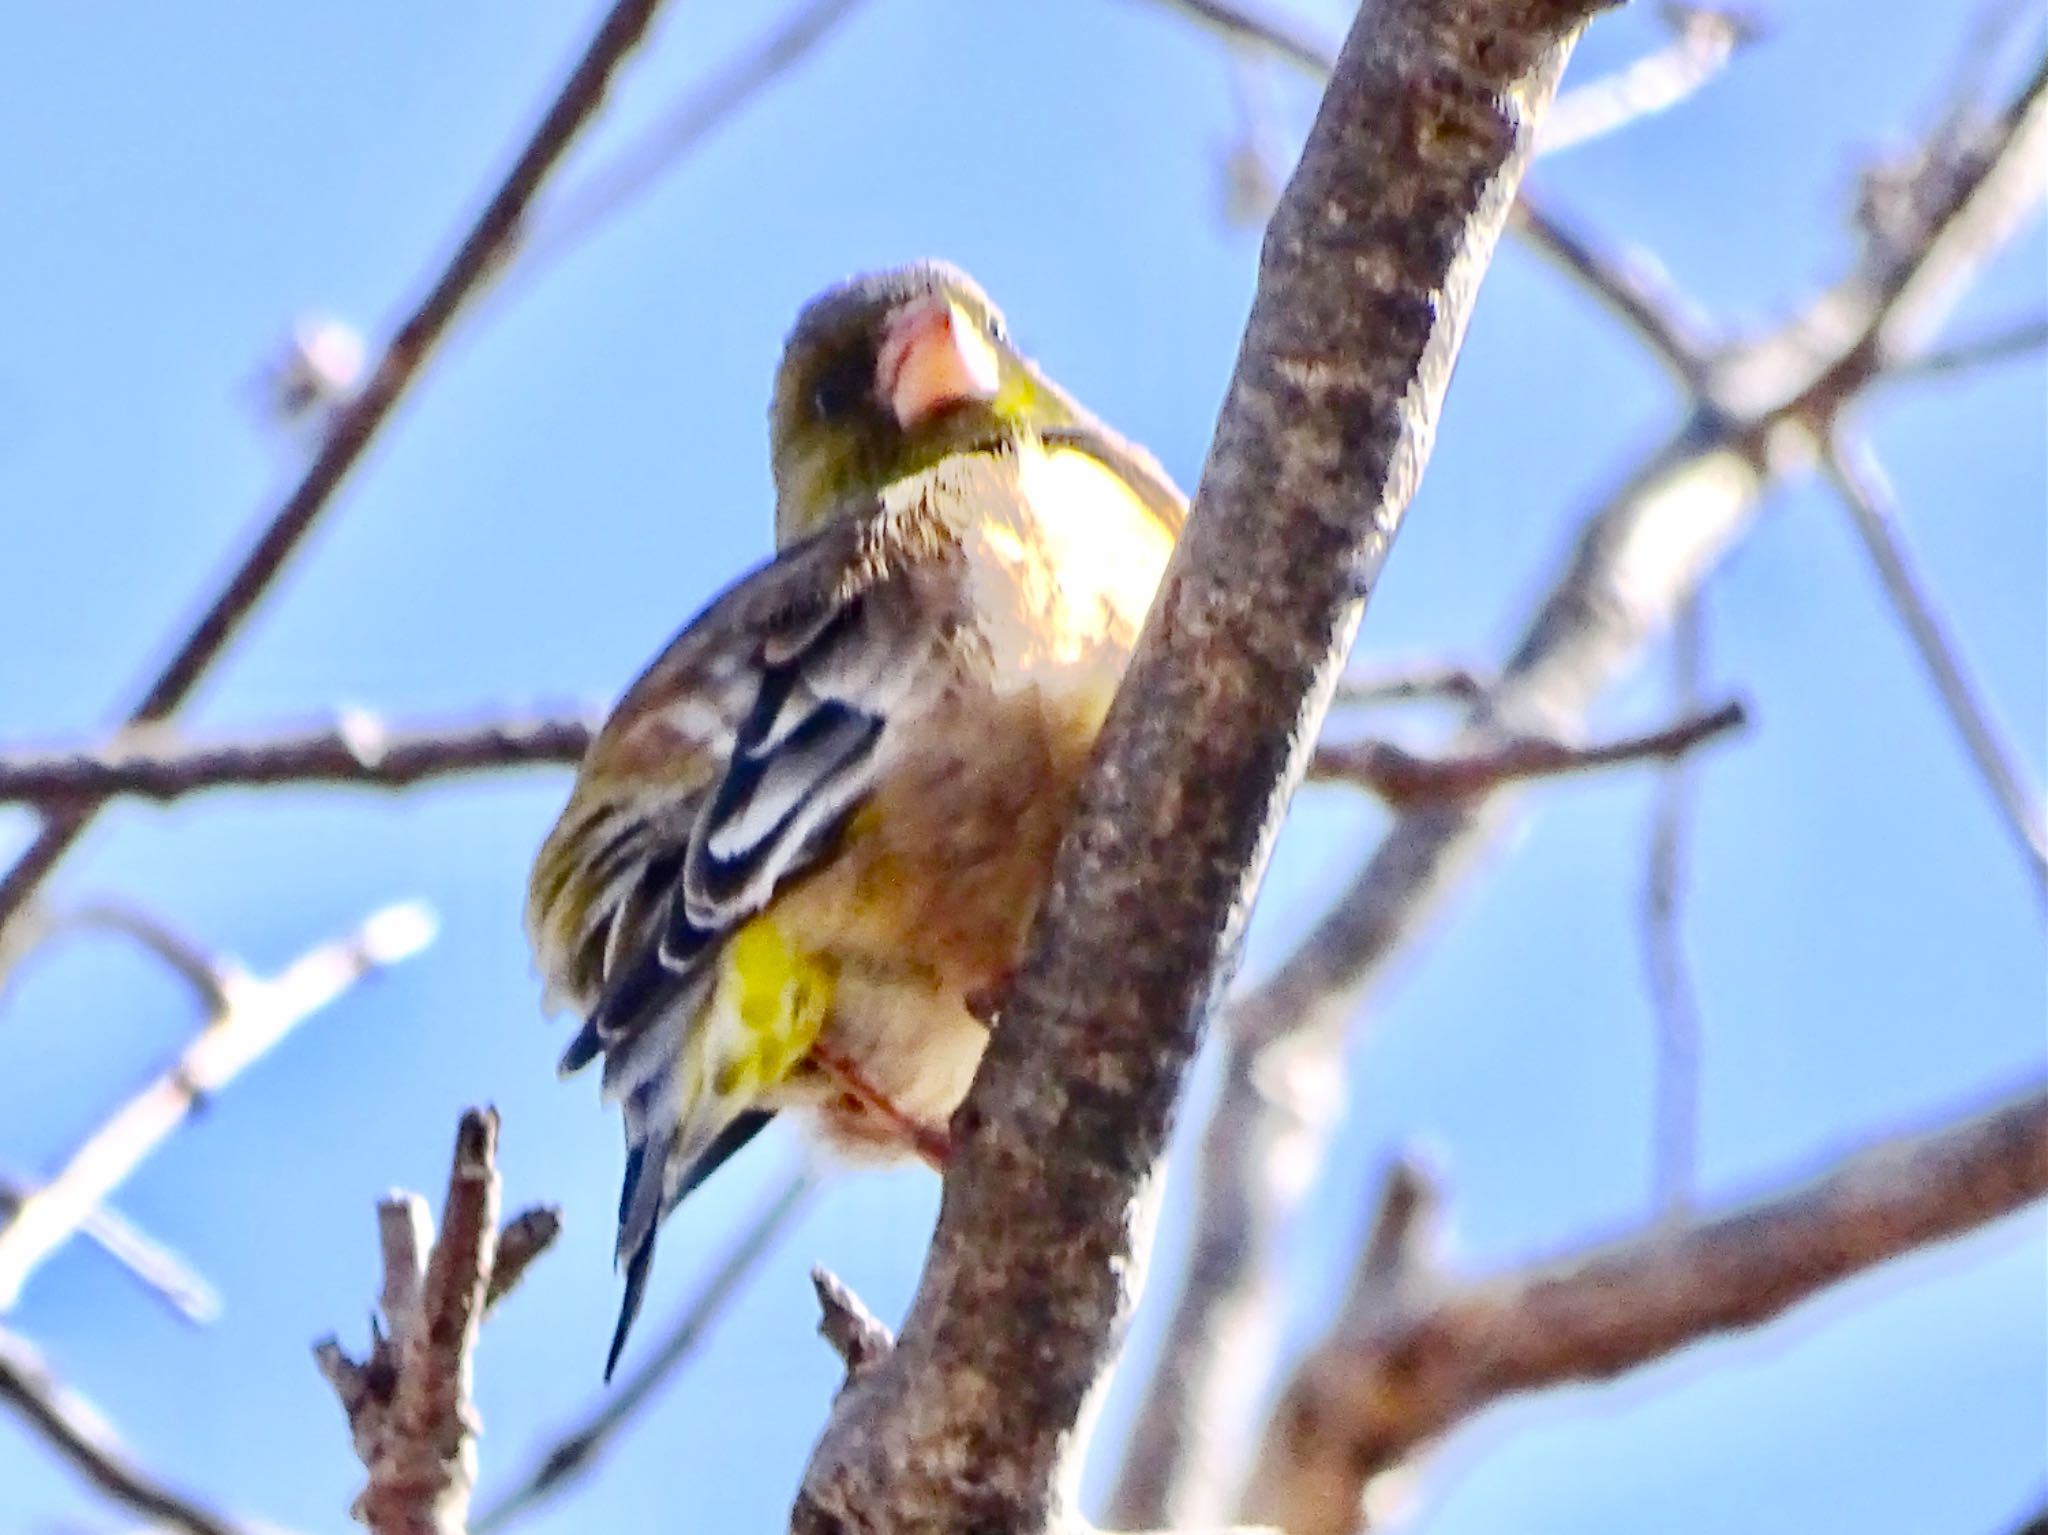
(800, 859)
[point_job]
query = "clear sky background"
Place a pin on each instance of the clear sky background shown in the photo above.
(587, 464)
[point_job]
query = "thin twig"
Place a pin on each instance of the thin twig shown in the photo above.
(526, 1236)
(169, 1277)
(1628, 287)
(1675, 1003)
(259, 1013)
(360, 752)
(576, 1452)
(475, 261)
(206, 976)
(1629, 284)
(860, 1341)
(72, 1427)
(1403, 778)
(1365, 1400)
(1867, 492)
(1460, 684)
(571, 216)
(1704, 41)
(1972, 352)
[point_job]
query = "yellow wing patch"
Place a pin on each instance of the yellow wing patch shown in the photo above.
(772, 1000)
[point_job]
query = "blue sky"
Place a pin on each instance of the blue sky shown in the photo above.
(585, 465)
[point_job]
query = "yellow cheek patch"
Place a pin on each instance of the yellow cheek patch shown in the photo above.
(778, 996)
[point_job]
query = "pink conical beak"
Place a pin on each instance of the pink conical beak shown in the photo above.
(933, 356)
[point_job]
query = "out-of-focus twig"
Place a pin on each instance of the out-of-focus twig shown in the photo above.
(408, 1402)
(1404, 778)
(574, 1453)
(475, 261)
(1971, 352)
(1675, 1115)
(1629, 285)
(259, 1012)
(1402, 684)
(166, 1275)
(1703, 41)
(1368, 1397)
(361, 751)
(569, 217)
(1867, 492)
(76, 1431)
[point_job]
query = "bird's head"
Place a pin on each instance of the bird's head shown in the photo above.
(883, 376)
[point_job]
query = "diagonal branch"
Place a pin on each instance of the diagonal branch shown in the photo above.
(1703, 42)
(259, 1013)
(475, 262)
(75, 1430)
(576, 1453)
(1867, 492)
(1368, 1397)
(1639, 559)
(1367, 276)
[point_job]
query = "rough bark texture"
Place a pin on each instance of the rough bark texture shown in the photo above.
(1640, 558)
(1367, 276)
(1370, 1395)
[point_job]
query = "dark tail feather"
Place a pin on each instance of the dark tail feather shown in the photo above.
(639, 1260)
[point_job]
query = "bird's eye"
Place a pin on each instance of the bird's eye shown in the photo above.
(997, 330)
(839, 387)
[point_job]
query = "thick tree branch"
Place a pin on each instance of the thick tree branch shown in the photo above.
(1403, 778)
(475, 262)
(258, 1013)
(1367, 276)
(75, 1430)
(1369, 1396)
(1639, 559)
(408, 1402)
(359, 752)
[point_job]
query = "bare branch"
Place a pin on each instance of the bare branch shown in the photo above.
(1972, 352)
(1866, 491)
(580, 209)
(75, 1430)
(408, 1402)
(260, 1012)
(1261, 27)
(361, 752)
(1704, 41)
(1402, 778)
(166, 1275)
(1638, 560)
(39, 929)
(1629, 285)
(856, 1337)
(575, 1453)
(1367, 275)
(475, 262)
(1366, 1399)
(1402, 684)
(526, 1236)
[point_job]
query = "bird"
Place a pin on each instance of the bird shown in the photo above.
(799, 859)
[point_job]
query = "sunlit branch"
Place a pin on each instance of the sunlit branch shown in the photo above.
(259, 1012)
